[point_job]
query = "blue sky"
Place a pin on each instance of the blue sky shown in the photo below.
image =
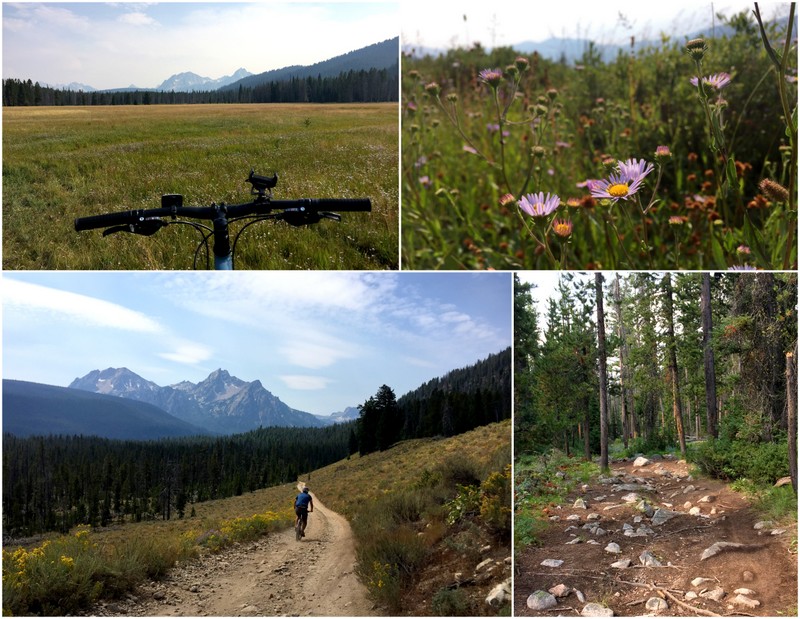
(320, 341)
(114, 45)
(505, 22)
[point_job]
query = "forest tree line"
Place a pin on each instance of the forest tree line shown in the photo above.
(690, 357)
(362, 86)
(52, 483)
(460, 401)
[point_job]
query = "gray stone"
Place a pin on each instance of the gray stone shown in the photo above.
(641, 461)
(648, 559)
(763, 524)
(560, 591)
(744, 591)
(748, 576)
(663, 515)
(592, 609)
(688, 489)
(552, 563)
(656, 604)
(777, 531)
(614, 548)
(645, 508)
(622, 564)
(743, 600)
(483, 564)
(716, 594)
(690, 595)
(580, 596)
(576, 540)
(573, 517)
(695, 511)
(718, 547)
(541, 600)
(579, 504)
(498, 596)
(701, 581)
(593, 516)
(631, 497)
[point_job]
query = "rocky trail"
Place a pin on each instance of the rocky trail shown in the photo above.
(277, 576)
(651, 540)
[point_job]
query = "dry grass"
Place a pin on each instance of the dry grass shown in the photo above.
(344, 485)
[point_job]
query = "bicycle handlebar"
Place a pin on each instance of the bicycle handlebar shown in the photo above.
(258, 207)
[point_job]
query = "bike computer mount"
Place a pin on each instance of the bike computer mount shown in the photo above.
(262, 185)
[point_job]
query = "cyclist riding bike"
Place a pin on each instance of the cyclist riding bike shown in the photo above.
(303, 504)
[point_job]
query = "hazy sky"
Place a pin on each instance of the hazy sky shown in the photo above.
(114, 45)
(505, 22)
(320, 341)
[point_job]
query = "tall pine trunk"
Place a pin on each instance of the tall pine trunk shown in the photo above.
(677, 413)
(791, 403)
(708, 357)
(601, 352)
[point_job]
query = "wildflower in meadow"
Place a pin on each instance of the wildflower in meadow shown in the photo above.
(492, 77)
(506, 199)
(717, 81)
(663, 153)
(623, 185)
(743, 267)
(696, 48)
(677, 220)
(774, 191)
(539, 204)
(562, 227)
(743, 249)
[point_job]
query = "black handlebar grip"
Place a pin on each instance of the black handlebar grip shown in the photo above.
(105, 221)
(342, 204)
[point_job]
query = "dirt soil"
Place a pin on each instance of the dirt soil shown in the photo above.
(273, 577)
(767, 565)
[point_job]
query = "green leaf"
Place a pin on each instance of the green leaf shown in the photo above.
(756, 242)
(719, 255)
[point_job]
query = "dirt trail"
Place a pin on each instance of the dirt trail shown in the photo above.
(276, 576)
(765, 563)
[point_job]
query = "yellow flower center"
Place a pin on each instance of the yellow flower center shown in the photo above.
(618, 190)
(562, 229)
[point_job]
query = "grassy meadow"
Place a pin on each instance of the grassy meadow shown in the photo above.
(60, 163)
(677, 155)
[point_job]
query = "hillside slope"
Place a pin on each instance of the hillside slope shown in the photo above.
(33, 409)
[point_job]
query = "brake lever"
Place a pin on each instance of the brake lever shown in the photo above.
(146, 227)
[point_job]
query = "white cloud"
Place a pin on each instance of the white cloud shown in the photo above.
(305, 383)
(313, 355)
(137, 18)
(188, 353)
(83, 310)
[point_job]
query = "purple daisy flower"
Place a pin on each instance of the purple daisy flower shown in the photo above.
(625, 184)
(718, 80)
(493, 77)
(539, 204)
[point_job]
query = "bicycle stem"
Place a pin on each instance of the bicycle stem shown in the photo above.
(223, 258)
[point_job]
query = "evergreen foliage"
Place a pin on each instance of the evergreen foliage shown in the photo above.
(361, 86)
(57, 482)
(656, 356)
(452, 404)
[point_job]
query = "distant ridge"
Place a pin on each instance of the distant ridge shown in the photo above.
(384, 55)
(33, 409)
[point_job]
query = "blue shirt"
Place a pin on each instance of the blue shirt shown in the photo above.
(302, 500)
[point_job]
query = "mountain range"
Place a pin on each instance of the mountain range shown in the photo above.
(220, 403)
(383, 55)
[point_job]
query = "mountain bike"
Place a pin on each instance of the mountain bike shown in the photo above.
(146, 222)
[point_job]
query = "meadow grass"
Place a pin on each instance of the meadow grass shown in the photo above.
(60, 163)
(489, 134)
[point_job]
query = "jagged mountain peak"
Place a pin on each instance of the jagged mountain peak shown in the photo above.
(219, 403)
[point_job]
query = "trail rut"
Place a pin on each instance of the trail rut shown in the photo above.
(275, 576)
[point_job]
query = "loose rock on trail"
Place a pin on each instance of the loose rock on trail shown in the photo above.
(275, 576)
(649, 539)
